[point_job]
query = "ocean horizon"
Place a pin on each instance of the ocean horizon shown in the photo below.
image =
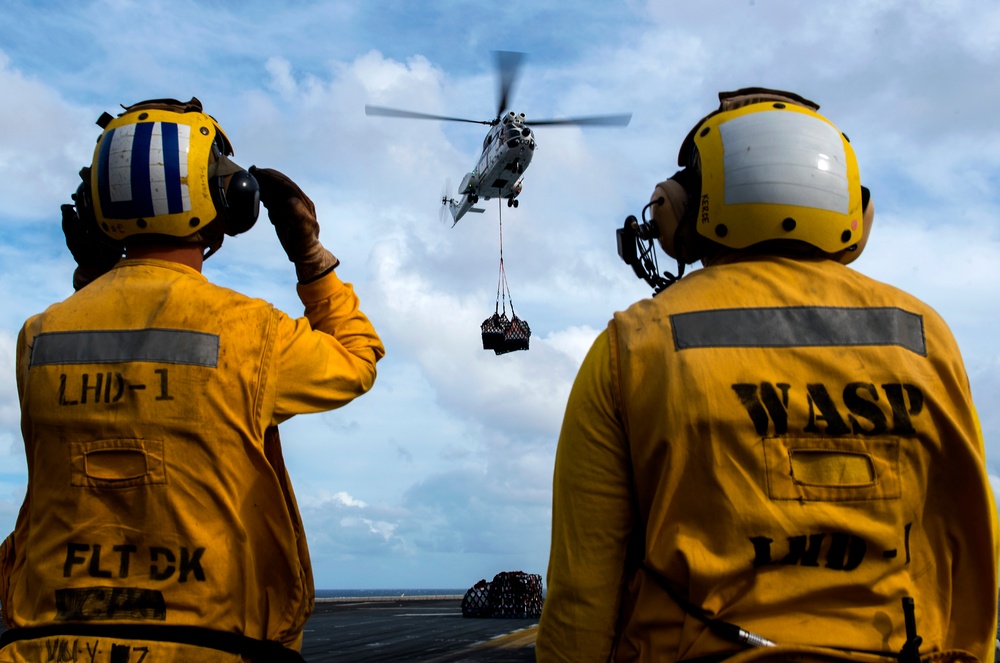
(385, 593)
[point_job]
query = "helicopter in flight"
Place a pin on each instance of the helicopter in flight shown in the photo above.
(508, 147)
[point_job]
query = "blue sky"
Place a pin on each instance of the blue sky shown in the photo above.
(442, 474)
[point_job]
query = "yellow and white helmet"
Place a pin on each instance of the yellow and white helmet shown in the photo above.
(162, 168)
(765, 166)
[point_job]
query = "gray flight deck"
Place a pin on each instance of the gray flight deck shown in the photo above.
(426, 630)
(417, 629)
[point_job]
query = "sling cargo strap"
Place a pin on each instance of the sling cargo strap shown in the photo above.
(233, 643)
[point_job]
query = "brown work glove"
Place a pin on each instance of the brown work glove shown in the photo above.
(293, 216)
(94, 253)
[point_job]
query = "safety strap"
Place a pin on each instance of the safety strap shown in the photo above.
(233, 643)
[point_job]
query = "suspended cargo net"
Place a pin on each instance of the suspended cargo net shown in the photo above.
(495, 330)
(500, 333)
(512, 595)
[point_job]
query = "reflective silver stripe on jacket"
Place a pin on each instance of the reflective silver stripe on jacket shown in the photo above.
(165, 346)
(801, 326)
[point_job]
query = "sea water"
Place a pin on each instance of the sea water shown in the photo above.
(384, 593)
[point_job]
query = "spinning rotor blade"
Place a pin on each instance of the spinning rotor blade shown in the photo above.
(445, 198)
(621, 120)
(508, 65)
(393, 112)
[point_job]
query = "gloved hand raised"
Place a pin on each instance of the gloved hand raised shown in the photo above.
(94, 254)
(293, 216)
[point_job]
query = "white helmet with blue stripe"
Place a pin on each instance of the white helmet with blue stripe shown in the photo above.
(162, 168)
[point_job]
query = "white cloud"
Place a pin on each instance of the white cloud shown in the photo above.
(44, 145)
(281, 81)
(347, 500)
(574, 342)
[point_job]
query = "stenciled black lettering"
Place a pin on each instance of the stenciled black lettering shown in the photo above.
(164, 391)
(897, 395)
(72, 559)
(846, 552)
(865, 408)
(761, 550)
(747, 393)
(124, 550)
(776, 407)
(104, 603)
(113, 380)
(819, 398)
(765, 407)
(95, 563)
(191, 563)
(799, 553)
(136, 603)
(85, 387)
(120, 653)
(92, 651)
(155, 553)
(61, 650)
(62, 392)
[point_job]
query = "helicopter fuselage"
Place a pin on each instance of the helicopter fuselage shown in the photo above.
(508, 147)
(507, 151)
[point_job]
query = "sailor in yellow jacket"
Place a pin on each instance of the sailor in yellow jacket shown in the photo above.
(775, 455)
(159, 522)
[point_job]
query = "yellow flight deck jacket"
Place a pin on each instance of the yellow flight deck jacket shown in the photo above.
(157, 495)
(790, 447)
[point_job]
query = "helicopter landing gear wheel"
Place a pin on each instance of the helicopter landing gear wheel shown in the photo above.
(512, 202)
(474, 198)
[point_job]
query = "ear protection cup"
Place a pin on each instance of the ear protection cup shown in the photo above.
(851, 254)
(668, 214)
(674, 218)
(238, 202)
(85, 210)
(81, 200)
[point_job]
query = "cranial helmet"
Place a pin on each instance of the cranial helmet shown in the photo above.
(765, 166)
(162, 169)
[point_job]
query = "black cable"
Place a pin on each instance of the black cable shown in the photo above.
(723, 629)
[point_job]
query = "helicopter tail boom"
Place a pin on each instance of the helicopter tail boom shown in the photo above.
(460, 208)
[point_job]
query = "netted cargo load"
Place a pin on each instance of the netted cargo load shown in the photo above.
(494, 330)
(511, 594)
(503, 335)
(516, 594)
(517, 334)
(476, 602)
